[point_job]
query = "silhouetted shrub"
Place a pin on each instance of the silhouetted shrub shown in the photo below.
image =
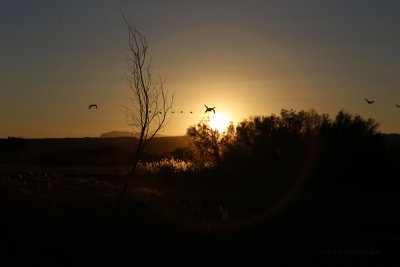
(352, 152)
(209, 143)
(344, 151)
(274, 141)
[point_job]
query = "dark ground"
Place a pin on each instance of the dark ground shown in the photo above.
(58, 208)
(73, 222)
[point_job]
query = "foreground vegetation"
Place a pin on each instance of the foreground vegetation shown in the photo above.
(297, 182)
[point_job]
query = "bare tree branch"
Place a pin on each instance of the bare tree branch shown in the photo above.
(150, 104)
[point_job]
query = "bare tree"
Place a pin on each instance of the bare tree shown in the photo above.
(150, 104)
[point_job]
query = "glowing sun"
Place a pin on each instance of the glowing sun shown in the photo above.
(219, 122)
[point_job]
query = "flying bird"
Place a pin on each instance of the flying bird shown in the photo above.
(398, 106)
(209, 109)
(93, 105)
(191, 112)
(369, 101)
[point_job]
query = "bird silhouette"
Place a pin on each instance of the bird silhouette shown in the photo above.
(181, 111)
(398, 106)
(191, 112)
(209, 109)
(369, 101)
(93, 105)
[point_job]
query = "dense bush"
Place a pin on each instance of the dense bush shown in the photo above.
(345, 150)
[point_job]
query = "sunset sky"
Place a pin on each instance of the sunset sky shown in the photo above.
(244, 57)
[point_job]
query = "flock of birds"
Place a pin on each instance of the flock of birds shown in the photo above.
(213, 108)
(207, 109)
(372, 101)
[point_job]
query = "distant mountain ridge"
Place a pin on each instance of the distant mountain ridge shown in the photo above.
(114, 134)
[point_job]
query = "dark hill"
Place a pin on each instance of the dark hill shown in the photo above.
(80, 150)
(115, 134)
(157, 146)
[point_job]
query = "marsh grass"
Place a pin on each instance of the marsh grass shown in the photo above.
(172, 165)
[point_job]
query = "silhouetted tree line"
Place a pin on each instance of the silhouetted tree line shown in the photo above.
(346, 150)
(341, 168)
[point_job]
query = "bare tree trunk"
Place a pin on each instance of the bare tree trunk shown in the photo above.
(126, 183)
(150, 103)
(130, 174)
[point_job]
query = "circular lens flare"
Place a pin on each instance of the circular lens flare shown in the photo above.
(219, 122)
